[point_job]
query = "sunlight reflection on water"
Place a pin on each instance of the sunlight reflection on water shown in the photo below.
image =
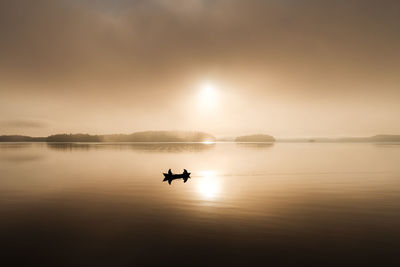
(208, 185)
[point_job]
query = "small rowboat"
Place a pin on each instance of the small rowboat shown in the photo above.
(176, 176)
(169, 177)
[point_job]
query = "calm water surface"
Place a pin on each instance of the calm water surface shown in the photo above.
(245, 204)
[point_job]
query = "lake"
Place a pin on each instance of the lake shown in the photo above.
(105, 204)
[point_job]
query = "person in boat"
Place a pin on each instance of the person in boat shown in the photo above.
(169, 171)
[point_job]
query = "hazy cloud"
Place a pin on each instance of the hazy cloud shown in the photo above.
(96, 65)
(84, 41)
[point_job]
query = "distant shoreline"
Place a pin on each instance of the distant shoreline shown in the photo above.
(147, 136)
(382, 138)
(202, 143)
(188, 137)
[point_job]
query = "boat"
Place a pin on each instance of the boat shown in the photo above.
(177, 176)
(169, 177)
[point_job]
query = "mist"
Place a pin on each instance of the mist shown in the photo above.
(286, 68)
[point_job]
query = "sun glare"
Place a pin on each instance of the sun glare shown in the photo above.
(208, 95)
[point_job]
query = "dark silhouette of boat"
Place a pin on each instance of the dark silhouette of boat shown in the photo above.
(170, 176)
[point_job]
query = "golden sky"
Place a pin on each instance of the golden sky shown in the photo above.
(228, 67)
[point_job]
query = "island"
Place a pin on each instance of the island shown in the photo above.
(145, 136)
(255, 138)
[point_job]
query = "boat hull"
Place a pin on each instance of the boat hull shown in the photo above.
(176, 176)
(170, 177)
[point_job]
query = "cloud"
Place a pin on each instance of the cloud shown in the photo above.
(103, 66)
(99, 42)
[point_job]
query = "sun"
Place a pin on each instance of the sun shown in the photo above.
(208, 95)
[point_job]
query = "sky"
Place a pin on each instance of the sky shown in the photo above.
(288, 68)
